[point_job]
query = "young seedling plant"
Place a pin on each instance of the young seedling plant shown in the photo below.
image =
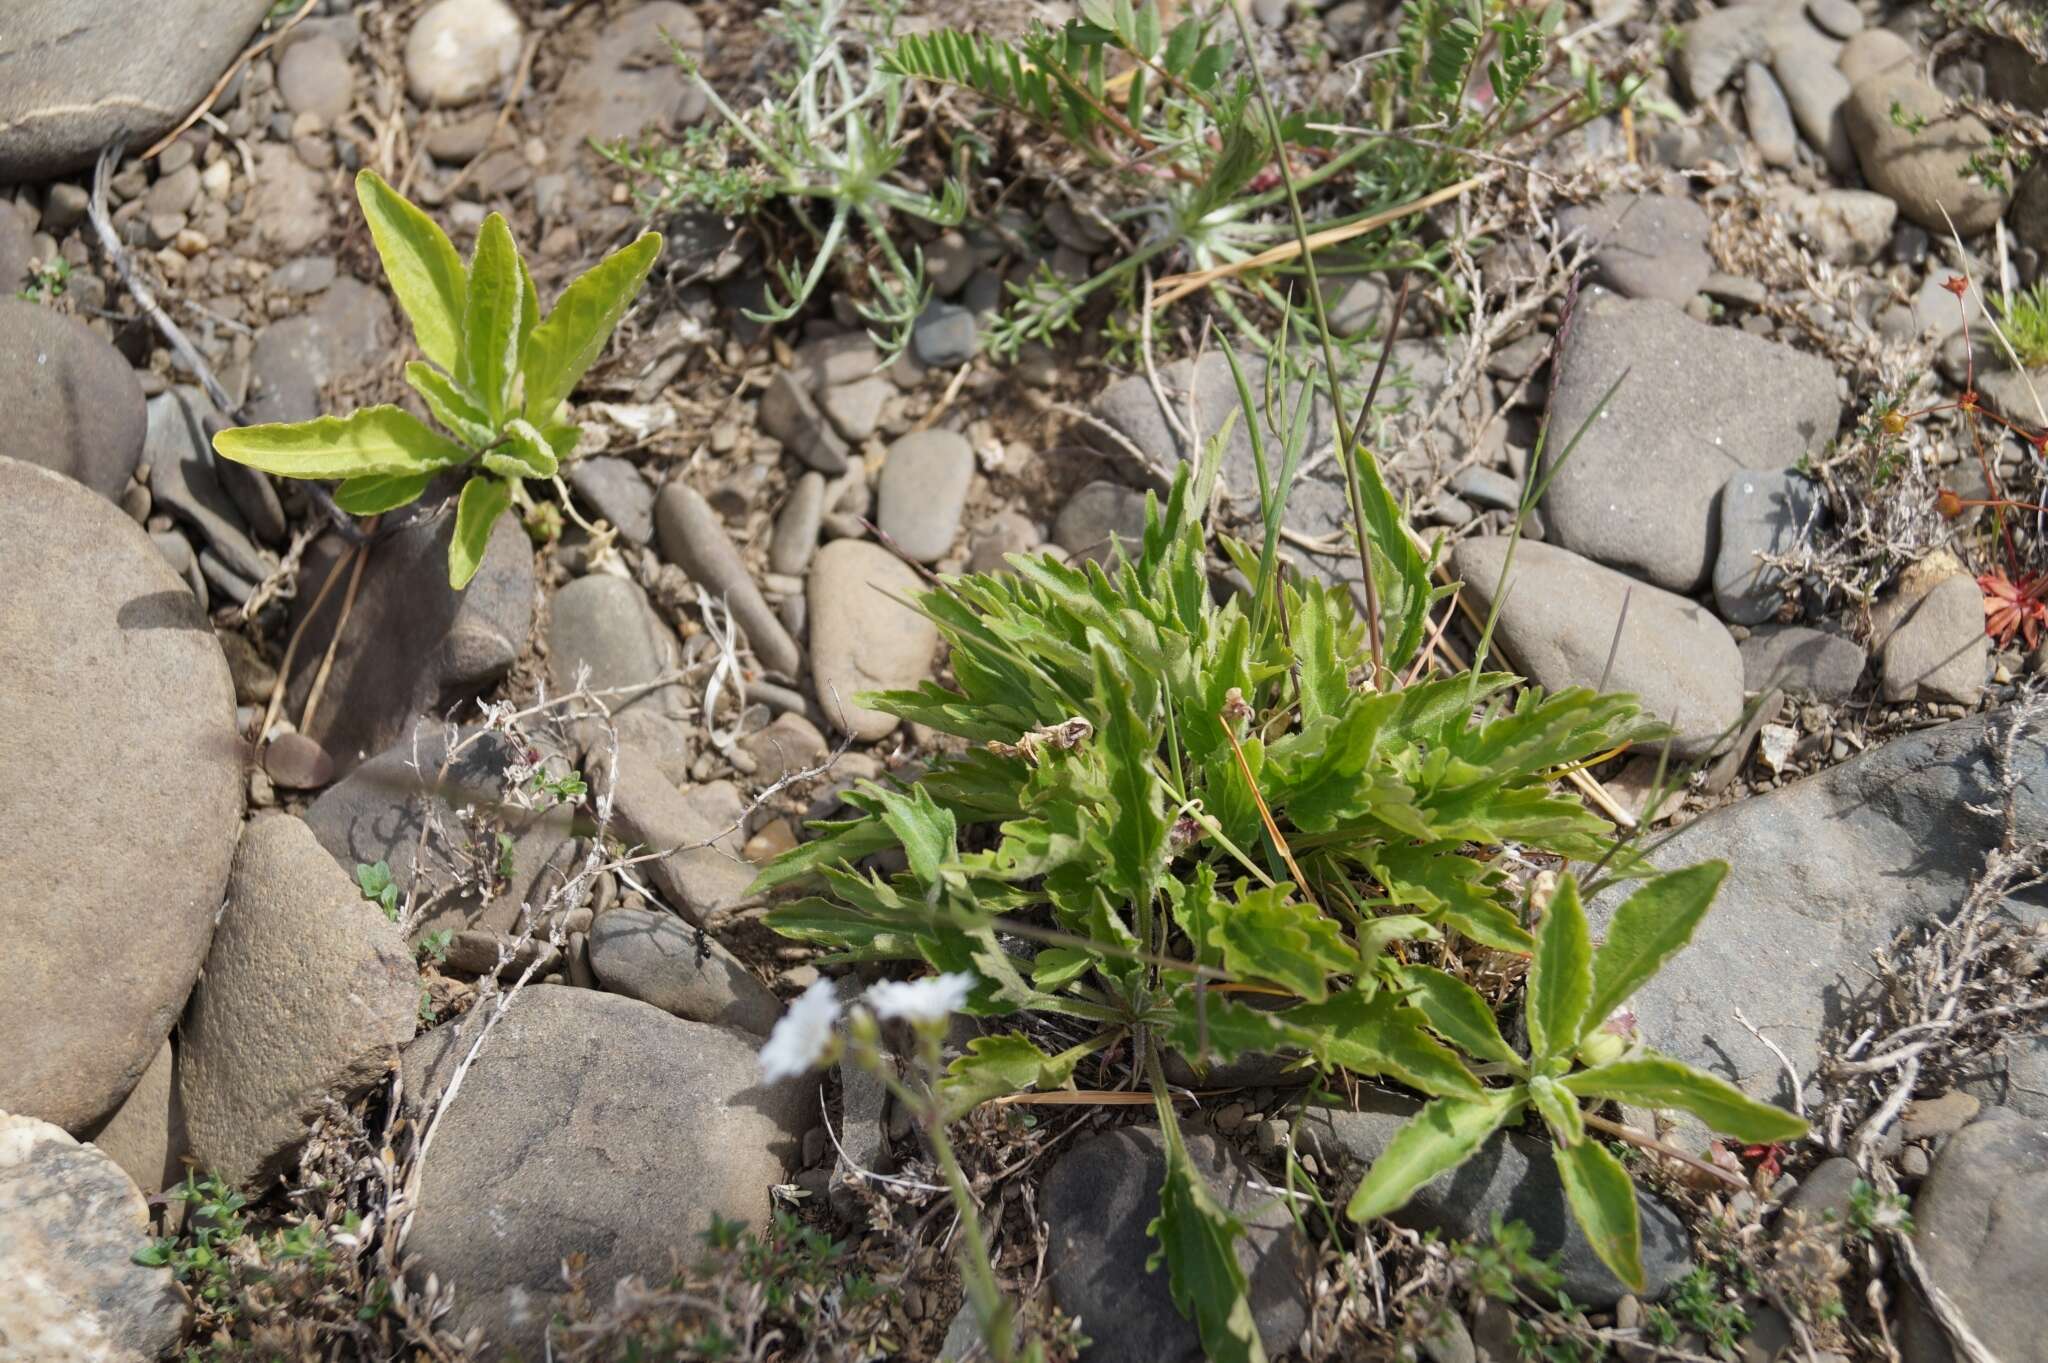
(497, 377)
(1214, 830)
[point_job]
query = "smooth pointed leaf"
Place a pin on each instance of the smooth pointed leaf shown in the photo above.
(1651, 926)
(1457, 1012)
(525, 453)
(380, 492)
(568, 342)
(529, 314)
(1603, 1201)
(451, 406)
(1655, 1081)
(1560, 976)
(1197, 1239)
(368, 441)
(484, 499)
(424, 271)
(1442, 1136)
(490, 322)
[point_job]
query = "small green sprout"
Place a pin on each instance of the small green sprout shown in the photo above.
(374, 880)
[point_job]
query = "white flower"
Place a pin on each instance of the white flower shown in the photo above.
(927, 1000)
(801, 1035)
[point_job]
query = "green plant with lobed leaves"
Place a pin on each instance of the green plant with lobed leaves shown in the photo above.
(497, 376)
(1230, 829)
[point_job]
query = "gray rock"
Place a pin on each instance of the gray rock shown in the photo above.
(2014, 76)
(1099, 517)
(296, 762)
(1803, 662)
(855, 409)
(796, 526)
(1696, 404)
(17, 248)
(1354, 303)
(656, 958)
(308, 993)
(830, 361)
(788, 414)
(146, 1134)
(1981, 1226)
(589, 1124)
(862, 637)
(1940, 651)
(119, 73)
(694, 539)
(1097, 1201)
(345, 332)
(943, 335)
(1847, 226)
(1924, 171)
(630, 84)
(1769, 116)
(1760, 513)
(948, 261)
(699, 833)
(1488, 488)
(1876, 52)
(606, 624)
(1713, 47)
(616, 491)
(2029, 216)
(434, 645)
(460, 50)
(790, 744)
(1817, 90)
(172, 193)
(1005, 533)
(375, 814)
(922, 492)
(1839, 17)
(1822, 873)
(184, 479)
(1513, 1177)
(110, 676)
(288, 202)
(71, 1224)
(72, 402)
(304, 274)
(1558, 628)
(314, 77)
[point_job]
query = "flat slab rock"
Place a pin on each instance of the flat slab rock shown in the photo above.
(1823, 872)
(589, 1124)
(110, 682)
(1981, 1226)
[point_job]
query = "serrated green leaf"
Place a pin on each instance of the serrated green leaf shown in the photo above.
(451, 406)
(1442, 1136)
(1197, 1239)
(1135, 831)
(928, 834)
(1651, 926)
(1056, 967)
(1653, 1080)
(524, 455)
(1560, 976)
(368, 441)
(380, 492)
(997, 1066)
(490, 322)
(1603, 1201)
(1381, 1035)
(1457, 1012)
(1559, 1109)
(484, 499)
(1398, 567)
(1268, 934)
(425, 273)
(1211, 1026)
(564, 346)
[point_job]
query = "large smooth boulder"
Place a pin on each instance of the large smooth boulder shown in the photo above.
(82, 76)
(863, 636)
(70, 1225)
(1567, 621)
(1981, 1226)
(1097, 1202)
(1822, 873)
(309, 991)
(1918, 156)
(72, 402)
(589, 1124)
(414, 646)
(1695, 404)
(114, 691)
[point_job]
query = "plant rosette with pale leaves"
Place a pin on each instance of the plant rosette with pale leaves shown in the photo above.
(1172, 806)
(497, 376)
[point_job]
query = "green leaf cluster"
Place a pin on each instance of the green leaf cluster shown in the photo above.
(496, 377)
(1165, 795)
